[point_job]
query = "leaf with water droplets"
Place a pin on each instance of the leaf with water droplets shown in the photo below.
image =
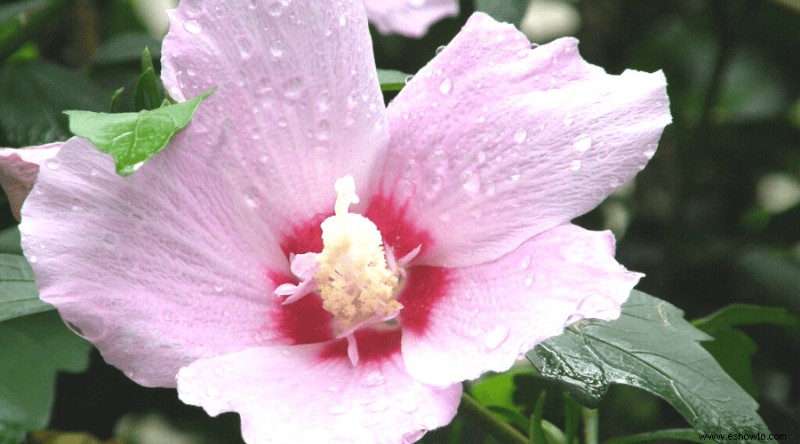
(392, 80)
(132, 138)
(34, 348)
(18, 293)
(652, 347)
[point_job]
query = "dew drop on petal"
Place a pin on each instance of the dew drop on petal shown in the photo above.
(526, 262)
(440, 49)
(33, 259)
(53, 164)
(218, 287)
(495, 337)
(582, 143)
(342, 20)
(568, 120)
(276, 48)
(374, 379)
(408, 78)
(520, 135)
(275, 9)
(337, 410)
(515, 175)
(528, 280)
(446, 86)
(192, 27)
(472, 182)
(575, 165)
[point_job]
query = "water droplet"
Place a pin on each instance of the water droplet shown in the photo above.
(337, 410)
(276, 48)
(323, 130)
(292, 87)
(481, 119)
(342, 20)
(412, 437)
(582, 143)
(282, 122)
(650, 151)
(526, 262)
(434, 187)
(568, 120)
(191, 72)
(520, 135)
(333, 388)
(33, 259)
(472, 182)
(374, 379)
(408, 78)
(481, 156)
(324, 100)
(93, 172)
(495, 337)
(528, 280)
(245, 46)
(218, 287)
(53, 164)
(275, 9)
(446, 86)
(440, 49)
(192, 27)
(575, 165)
(515, 175)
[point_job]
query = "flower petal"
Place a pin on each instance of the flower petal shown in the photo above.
(483, 317)
(411, 18)
(293, 394)
(157, 269)
(493, 142)
(297, 105)
(18, 171)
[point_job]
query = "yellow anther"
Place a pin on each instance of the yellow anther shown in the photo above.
(353, 279)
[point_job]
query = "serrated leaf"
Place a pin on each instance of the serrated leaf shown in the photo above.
(33, 96)
(652, 347)
(34, 348)
(132, 138)
(392, 80)
(732, 348)
(18, 293)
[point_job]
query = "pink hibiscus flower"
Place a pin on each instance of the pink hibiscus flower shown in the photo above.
(411, 18)
(242, 260)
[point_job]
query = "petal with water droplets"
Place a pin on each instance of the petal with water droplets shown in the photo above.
(554, 135)
(481, 318)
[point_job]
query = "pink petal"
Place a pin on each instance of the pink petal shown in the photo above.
(481, 318)
(297, 394)
(493, 142)
(297, 105)
(157, 269)
(411, 18)
(18, 171)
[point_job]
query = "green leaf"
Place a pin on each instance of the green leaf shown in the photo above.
(392, 80)
(10, 241)
(18, 293)
(652, 347)
(34, 348)
(510, 11)
(33, 96)
(689, 435)
(536, 433)
(148, 93)
(132, 138)
(732, 348)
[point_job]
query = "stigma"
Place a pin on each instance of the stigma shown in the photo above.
(353, 278)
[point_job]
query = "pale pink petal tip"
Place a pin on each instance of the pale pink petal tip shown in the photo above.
(19, 169)
(492, 313)
(374, 402)
(410, 18)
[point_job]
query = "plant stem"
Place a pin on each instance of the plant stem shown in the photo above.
(498, 428)
(591, 426)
